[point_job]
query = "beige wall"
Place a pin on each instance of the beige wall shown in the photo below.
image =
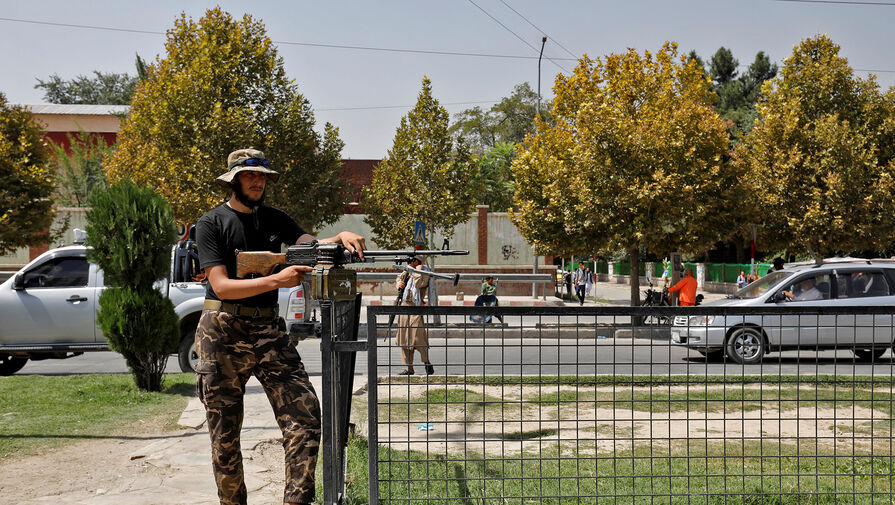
(77, 219)
(506, 246)
(77, 122)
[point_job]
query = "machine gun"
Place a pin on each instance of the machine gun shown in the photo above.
(328, 280)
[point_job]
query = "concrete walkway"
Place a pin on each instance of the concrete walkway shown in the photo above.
(177, 470)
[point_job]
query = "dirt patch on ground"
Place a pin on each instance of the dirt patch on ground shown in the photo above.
(564, 420)
(93, 465)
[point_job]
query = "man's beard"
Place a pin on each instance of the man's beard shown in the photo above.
(245, 199)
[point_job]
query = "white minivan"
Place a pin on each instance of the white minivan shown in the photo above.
(842, 283)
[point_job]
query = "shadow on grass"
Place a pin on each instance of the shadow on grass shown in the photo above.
(50, 436)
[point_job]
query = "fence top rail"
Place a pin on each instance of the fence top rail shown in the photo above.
(465, 277)
(628, 311)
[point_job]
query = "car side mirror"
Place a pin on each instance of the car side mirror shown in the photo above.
(18, 282)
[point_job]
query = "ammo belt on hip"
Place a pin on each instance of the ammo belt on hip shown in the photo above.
(243, 310)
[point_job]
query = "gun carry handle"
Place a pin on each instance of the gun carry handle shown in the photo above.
(257, 262)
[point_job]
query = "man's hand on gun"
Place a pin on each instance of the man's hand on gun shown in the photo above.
(292, 275)
(353, 242)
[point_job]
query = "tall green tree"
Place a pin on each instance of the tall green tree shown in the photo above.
(495, 177)
(737, 95)
(102, 88)
(425, 176)
(635, 161)
(221, 86)
(26, 181)
(130, 231)
(508, 121)
(79, 169)
(821, 156)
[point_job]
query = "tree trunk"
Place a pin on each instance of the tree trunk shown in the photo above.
(635, 276)
(740, 249)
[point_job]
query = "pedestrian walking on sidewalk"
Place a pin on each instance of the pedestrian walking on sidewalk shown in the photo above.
(589, 277)
(240, 333)
(414, 289)
(580, 280)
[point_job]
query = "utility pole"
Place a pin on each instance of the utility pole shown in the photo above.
(534, 285)
(543, 41)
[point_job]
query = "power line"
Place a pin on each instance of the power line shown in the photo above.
(412, 51)
(378, 107)
(505, 27)
(846, 2)
(290, 43)
(570, 53)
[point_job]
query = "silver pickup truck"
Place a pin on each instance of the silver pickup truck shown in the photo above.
(48, 308)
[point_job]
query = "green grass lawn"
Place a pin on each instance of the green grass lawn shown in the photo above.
(38, 412)
(706, 469)
(693, 473)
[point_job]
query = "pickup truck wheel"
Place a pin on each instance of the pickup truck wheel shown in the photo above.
(11, 364)
(186, 355)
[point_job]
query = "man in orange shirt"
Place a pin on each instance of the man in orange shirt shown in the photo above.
(687, 287)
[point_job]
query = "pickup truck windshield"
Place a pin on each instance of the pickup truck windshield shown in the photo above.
(762, 285)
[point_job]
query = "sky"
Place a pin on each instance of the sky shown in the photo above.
(365, 92)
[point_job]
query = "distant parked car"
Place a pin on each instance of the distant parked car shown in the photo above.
(844, 283)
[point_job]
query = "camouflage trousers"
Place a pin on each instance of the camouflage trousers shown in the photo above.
(230, 350)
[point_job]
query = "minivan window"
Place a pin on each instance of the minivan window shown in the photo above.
(808, 288)
(861, 284)
(762, 285)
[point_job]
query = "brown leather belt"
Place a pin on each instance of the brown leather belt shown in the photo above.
(242, 310)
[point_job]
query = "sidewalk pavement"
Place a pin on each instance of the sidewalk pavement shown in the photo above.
(176, 470)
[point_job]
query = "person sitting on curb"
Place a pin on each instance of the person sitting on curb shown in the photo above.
(488, 298)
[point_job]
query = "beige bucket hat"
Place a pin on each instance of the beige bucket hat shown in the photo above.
(246, 159)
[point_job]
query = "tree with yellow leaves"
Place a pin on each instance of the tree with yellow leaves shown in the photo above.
(820, 157)
(426, 177)
(222, 87)
(634, 161)
(26, 181)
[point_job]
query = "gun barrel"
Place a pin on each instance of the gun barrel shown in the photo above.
(376, 253)
(454, 278)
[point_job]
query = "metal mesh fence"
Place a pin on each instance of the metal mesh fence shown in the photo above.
(631, 405)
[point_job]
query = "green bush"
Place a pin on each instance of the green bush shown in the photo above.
(142, 326)
(130, 231)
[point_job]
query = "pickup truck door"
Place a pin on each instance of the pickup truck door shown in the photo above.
(58, 304)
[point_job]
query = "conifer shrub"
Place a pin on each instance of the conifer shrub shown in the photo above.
(130, 231)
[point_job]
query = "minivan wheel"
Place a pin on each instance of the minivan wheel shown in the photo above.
(186, 355)
(745, 346)
(10, 364)
(869, 354)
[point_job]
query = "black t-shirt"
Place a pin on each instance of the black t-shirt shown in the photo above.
(222, 231)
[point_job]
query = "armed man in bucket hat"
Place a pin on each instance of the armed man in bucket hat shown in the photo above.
(240, 333)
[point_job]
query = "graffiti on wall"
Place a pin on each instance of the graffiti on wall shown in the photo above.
(509, 252)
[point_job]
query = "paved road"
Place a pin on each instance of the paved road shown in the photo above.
(507, 354)
(532, 357)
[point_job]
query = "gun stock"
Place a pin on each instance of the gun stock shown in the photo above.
(257, 262)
